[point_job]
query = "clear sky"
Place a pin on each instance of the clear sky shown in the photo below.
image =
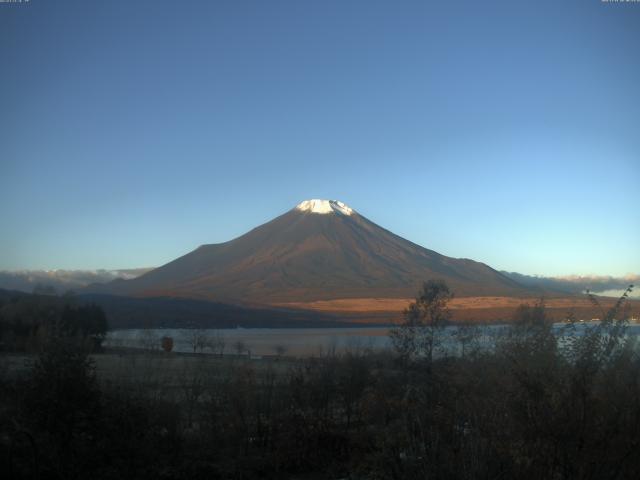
(504, 131)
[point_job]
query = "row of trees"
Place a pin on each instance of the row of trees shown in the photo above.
(28, 321)
(199, 341)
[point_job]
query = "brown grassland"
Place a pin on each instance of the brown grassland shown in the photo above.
(480, 309)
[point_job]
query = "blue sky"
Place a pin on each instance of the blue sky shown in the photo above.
(507, 132)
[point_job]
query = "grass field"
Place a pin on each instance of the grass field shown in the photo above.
(157, 369)
(481, 309)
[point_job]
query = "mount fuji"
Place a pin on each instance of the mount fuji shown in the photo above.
(320, 250)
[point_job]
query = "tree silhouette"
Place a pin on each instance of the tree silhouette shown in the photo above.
(424, 320)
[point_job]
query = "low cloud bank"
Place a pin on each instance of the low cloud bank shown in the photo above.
(60, 281)
(574, 284)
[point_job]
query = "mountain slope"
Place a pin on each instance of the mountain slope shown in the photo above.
(319, 250)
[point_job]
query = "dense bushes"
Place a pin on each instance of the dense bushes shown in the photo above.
(527, 408)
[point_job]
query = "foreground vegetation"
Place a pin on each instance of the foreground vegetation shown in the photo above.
(527, 407)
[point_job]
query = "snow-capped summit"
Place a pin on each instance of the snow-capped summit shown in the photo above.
(324, 206)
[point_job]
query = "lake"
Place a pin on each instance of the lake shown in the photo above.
(289, 341)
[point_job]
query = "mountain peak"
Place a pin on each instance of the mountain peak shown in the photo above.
(324, 206)
(319, 250)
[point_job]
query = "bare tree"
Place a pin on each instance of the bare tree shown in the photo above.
(196, 338)
(467, 335)
(424, 321)
(149, 340)
(240, 347)
(216, 343)
(280, 350)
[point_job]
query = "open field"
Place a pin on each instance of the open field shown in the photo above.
(460, 303)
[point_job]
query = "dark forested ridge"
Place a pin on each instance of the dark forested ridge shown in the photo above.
(168, 312)
(28, 320)
(25, 312)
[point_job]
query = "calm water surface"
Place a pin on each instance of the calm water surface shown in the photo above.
(294, 341)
